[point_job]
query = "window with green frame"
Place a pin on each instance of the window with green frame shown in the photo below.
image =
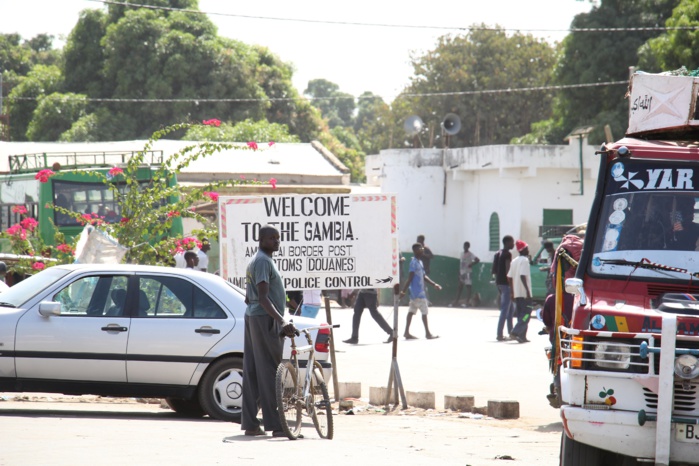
(494, 231)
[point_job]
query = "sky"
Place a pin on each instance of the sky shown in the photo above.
(356, 57)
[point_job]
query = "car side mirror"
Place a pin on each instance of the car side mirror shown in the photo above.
(49, 308)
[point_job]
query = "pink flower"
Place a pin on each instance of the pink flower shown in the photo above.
(19, 209)
(44, 175)
(211, 195)
(114, 171)
(273, 182)
(173, 213)
(252, 145)
(124, 220)
(270, 143)
(14, 230)
(29, 223)
(212, 122)
(65, 248)
(242, 177)
(38, 266)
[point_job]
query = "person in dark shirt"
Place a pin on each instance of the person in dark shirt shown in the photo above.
(501, 265)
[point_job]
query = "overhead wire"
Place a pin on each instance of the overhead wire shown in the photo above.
(315, 99)
(389, 25)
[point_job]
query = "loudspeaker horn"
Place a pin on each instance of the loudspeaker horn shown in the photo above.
(413, 125)
(451, 124)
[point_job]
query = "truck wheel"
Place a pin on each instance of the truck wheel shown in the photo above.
(578, 454)
(221, 390)
(186, 408)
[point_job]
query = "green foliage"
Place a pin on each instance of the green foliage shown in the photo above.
(83, 54)
(24, 98)
(248, 130)
(478, 61)
(335, 106)
(374, 123)
(539, 133)
(600, 57)
(674, 48)
(54, 115)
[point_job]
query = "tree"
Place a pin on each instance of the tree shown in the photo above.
(464, 68)
(674, 48)
(373, 124)
(83, 55)
(25, 96)
(335, 106)
(54, 115)
(589, 57)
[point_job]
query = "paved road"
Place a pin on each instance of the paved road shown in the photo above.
(464, 360)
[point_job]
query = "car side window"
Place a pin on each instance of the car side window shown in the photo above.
(205, 307)
(94, 296)
(175, 297)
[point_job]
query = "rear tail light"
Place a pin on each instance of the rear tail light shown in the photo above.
(323, 340)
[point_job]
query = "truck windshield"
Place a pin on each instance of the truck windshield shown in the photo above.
(649, 214)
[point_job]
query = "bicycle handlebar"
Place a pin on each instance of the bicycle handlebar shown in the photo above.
(308, 329)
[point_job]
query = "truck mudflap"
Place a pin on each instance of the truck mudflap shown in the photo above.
(667, 430)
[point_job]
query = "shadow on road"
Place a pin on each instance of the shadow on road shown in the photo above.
(553, 427)
(90, 414)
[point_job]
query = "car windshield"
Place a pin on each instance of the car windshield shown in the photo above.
(649, 221)
(25, 290)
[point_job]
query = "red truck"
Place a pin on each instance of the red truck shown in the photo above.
(629, 356)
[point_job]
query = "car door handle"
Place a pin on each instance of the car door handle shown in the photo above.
(114, 328)
(207, 330)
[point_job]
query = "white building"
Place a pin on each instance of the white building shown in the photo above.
(480, 194)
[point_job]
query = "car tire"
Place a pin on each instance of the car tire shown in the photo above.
(185, 408)
(220, 391)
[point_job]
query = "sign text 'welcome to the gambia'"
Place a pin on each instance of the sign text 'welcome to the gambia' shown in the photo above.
(328, 242)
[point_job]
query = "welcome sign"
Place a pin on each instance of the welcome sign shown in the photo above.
(329, 241)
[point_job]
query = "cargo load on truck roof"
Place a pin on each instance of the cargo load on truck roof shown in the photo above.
(663, 103)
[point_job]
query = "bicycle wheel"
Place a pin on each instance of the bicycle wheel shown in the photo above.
(289, 403)
(322, 410)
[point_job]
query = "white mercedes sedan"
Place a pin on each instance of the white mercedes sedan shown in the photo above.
(131, 331)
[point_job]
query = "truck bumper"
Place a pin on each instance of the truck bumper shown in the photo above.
(620, 432)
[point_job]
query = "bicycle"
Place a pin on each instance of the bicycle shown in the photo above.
(293, 397)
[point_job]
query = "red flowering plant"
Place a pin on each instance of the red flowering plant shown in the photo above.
(148, 211)
(27, 244)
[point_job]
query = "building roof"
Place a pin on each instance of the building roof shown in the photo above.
(289, 163)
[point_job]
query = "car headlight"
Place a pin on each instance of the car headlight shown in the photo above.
(612, 356)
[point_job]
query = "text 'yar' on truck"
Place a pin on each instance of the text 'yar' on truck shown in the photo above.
(630, 354)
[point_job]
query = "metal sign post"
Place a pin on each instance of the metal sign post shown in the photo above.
(394, 374)
(336, 384)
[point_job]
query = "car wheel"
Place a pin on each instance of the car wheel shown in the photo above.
(186, 408)
(221, 390)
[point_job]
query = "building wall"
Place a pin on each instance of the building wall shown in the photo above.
(449, 195)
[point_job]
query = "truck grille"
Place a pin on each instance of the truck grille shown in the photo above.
(684, 400)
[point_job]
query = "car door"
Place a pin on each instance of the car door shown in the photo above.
(86, 342)
(175, 324)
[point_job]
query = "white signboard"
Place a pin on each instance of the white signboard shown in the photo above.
(658, 102)
(329, 242)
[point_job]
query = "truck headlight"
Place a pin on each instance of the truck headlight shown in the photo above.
(687, 366)
(612, 356)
